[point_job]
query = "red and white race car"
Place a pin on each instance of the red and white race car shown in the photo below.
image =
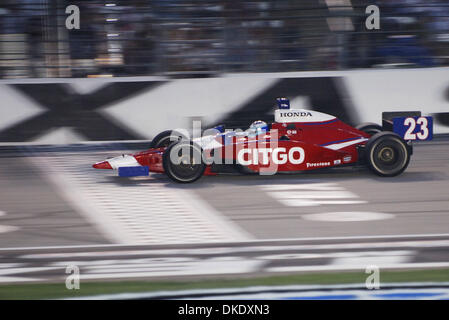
(298, 140)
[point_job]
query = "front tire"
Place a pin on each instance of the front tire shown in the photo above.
(166, 138)
(387, 154)
(183, 162)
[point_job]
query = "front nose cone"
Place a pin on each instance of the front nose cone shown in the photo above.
(102, 165)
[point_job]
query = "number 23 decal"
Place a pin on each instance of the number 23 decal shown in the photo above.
(411, 123)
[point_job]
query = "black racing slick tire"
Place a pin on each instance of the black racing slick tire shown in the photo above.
(183, 162)
(165, 138)
(387, 154)
(369, 128)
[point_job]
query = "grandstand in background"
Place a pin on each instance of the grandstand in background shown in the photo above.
(202, 38)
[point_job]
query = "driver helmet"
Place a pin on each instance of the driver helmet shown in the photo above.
(258, 127)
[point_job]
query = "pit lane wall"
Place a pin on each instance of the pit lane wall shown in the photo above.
(68, 111)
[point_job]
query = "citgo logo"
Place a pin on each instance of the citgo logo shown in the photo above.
(295, 155)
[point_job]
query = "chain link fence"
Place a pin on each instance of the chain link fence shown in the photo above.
(187, 38)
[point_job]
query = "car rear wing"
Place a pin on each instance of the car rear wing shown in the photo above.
(410, 125)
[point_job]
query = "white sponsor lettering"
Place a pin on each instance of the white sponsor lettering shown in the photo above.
(279, 158)
(295, 155)
(289, 114)
(264, 152)
(318, 164)
(240, 157)
(301, 155)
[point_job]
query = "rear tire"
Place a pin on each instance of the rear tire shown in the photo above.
(369, 128)
(183, 162)
(387, 154)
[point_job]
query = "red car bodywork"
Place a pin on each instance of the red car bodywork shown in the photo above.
(325, 144)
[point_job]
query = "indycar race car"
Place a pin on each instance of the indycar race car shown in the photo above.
(298, 140)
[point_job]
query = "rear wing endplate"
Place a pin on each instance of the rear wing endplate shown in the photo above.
(410, 125)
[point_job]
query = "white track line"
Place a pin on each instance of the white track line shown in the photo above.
(128, 215)
(418, 265)
(257, 289)
(405, 236)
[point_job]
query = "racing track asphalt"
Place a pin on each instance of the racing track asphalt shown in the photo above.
(267, 207)
(417, 202)
(342, 202)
